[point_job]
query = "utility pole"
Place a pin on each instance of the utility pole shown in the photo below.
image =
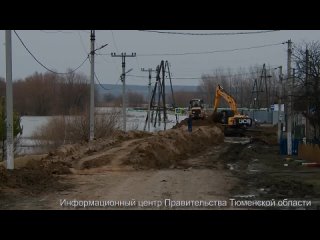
(164, 99)
(279, 105)
(92, 39)
(123, 79)
(150, 70)
(308, 92)
(266, 85)
(9, 111)
(294, 120)
(290, 90)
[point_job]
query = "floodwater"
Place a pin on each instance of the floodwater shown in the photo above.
(136, 120)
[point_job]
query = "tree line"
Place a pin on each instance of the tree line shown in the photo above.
(251, 88)
(49, 94)
(306, 82)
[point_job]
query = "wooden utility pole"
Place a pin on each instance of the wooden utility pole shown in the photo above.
(149, 70)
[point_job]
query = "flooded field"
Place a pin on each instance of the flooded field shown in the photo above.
(136, 120)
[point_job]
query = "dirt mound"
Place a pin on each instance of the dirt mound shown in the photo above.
(76, 151)
(167, 149)
(35, 177)
(196, 122)
(97, 162)
(122, 136)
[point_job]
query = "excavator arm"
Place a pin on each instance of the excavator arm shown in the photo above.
(230, 100)
(234, 120)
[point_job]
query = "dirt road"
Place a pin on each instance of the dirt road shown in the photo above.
(175, 165)
(202, 179)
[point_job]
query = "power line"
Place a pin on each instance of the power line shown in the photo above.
(82, 43)
(206, 75)
(129, 75)
(86, 31)
(115, 45)
(107, 89)
(209, 34)
(137, 61)
(96, 77)
(43, 64)
(104, 58)
(209, 52)
(114, 41)
(206, 52)
(55, 31)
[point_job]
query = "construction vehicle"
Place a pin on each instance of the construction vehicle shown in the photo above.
(196, 109)
(229, 118)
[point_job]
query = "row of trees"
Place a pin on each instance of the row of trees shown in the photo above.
(244, 86)
(134, 99)
(49, 94)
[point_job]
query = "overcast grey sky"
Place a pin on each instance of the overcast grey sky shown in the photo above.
(59, 50)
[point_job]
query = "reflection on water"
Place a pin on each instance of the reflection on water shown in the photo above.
(135, 121)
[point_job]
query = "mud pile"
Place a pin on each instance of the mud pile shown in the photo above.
(196, 122)
(167, 149)
(35, 177)
(76, 151)
(138, 149)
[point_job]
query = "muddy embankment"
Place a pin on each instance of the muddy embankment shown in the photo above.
(168, 149)
(136, 150)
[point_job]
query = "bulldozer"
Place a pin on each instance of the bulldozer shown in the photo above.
(231, 119)
(196, 109)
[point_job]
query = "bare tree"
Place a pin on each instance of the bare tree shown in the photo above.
(307, 87)
(50, 94)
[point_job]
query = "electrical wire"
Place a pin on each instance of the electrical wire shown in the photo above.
(55, 31)
(82, 43)
(209, 52)
(106, 89)
(137, 61)
(114, 41)
(48, 69)
(209, 34)
(204, 75)
(100, 84)
(206, 52)
(130, 75)
(116, 48)
(96, 77)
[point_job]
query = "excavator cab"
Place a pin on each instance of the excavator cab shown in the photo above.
(225, 115)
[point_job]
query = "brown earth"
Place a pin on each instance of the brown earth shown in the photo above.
(124, 153)
(175, 164)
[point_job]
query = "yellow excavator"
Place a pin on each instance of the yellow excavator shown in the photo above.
(229, 118)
